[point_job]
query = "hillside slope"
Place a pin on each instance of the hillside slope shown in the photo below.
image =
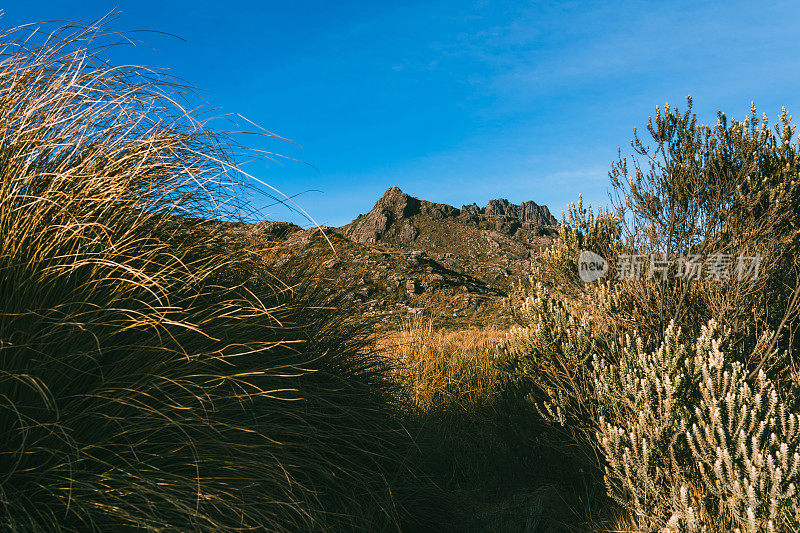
(412, 256)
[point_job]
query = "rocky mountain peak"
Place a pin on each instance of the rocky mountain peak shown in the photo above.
(397, 216)
(526, 212)
(397, 203)
(408, 255)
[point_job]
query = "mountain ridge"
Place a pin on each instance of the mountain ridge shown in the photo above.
(409, 255)
(393, 216)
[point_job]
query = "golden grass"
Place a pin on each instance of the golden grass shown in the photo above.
(441, 368)
(479, 440)
(142, 388)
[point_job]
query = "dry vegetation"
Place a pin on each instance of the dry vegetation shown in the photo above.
(153, 377)
(441, 368)
(143, 388)
(482, 442)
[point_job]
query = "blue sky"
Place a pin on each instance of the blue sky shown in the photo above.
(456, 101)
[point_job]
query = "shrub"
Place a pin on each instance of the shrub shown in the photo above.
(547, 353)
(582, 230)
(691, 445)
(695, 436)
(728, 189)
(688, 440)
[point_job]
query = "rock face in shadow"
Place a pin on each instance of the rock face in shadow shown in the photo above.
(397, 217)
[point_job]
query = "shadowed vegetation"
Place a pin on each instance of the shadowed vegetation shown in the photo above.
(163, 367)
(144, 385)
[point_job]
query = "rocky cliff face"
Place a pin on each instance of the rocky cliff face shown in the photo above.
(526, 212)
(397, 217)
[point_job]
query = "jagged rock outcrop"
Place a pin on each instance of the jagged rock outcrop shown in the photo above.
(526, 212)
(396, 216)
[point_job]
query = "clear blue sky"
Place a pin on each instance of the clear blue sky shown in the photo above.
(457, 101)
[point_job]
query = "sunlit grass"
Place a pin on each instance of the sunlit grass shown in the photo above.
(442, 368)
(143, 383)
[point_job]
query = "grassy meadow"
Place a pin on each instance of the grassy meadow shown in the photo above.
(154, 377)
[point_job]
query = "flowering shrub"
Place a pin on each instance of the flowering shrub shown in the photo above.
(686, 389)
(580, 230)
(689, 443)
(547, 352)
(693, 445)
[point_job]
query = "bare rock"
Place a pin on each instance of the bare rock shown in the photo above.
(412, 287)
(409, 232)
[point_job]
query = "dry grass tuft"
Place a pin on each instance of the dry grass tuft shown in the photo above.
(140, 388)
(441, 368)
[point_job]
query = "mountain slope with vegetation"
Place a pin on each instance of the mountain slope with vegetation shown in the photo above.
(165, 366)
(411, 255)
